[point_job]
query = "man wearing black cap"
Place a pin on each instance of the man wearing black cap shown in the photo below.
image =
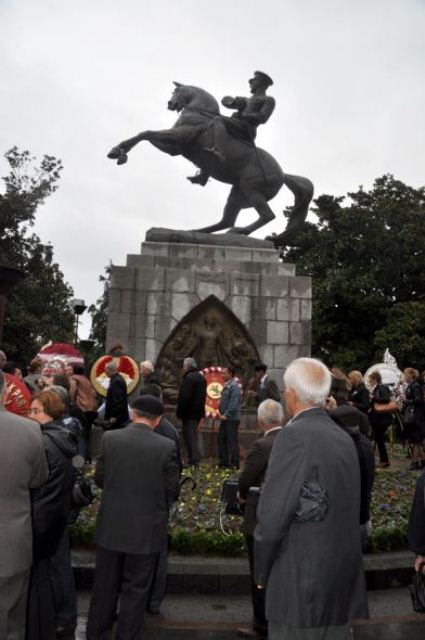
(250, 113)
(140, 479)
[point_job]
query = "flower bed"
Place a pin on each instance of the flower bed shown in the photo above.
(195, 528)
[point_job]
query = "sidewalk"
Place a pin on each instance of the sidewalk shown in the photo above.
(222, 575)
(213, 617)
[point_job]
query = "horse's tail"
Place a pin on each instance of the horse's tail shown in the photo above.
(303, 190)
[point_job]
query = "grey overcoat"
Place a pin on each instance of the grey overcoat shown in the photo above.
(313, 570)
(23, 466)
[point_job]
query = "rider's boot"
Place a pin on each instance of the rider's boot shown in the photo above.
(216, 152)
(200, 178)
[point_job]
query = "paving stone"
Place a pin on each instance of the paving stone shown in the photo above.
(274, 286)
(305, 310)
(181, 281)
(299, 332)
(244, 285)
(150, 279)
(288, 309)
(122, 277)
(241, 307)
(182, 303)
(277, 332)
(114, 300)
(212, 284)
(300, 287)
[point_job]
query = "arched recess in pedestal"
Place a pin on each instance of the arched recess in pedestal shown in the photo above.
(214, 336)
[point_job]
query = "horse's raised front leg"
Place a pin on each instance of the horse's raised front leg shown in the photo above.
(231, 211)
(159, 139)
(254, 199)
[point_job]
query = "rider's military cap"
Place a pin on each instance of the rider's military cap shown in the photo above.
(264, 77)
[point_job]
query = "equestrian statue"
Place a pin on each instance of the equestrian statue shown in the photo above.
(224, 148)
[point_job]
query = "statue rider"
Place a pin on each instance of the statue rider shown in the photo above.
(250, 113)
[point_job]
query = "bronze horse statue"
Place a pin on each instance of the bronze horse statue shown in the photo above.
(254, 174)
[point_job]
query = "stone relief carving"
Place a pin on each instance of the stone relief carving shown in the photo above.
(212, 335)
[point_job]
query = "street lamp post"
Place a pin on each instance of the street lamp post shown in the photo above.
(79, 307)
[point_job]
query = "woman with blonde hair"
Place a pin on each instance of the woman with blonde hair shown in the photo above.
(359, 396)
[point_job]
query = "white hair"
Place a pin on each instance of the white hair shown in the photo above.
(111, 366)
(147, 364)
(310, 380)
(190, 363)
(270, 412)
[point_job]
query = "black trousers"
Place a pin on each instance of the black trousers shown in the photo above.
(228, 446)
(40, 609)
(380, 431)
(129, 577)
(190, 435)
(258, 595)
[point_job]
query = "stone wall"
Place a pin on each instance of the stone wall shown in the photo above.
(156, 289)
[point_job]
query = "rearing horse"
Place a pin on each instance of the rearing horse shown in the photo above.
(254, 174)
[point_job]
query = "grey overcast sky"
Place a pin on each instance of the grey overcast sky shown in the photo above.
(78, 76)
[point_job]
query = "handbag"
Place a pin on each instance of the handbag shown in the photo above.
(390, 407)
(417, 592)
(409, 416)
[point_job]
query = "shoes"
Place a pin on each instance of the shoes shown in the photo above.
(200, 178)
(250, 633)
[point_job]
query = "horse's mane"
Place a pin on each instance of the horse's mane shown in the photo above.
(210, 102)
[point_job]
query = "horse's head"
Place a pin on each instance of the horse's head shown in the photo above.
(186, 95)
(181, 96)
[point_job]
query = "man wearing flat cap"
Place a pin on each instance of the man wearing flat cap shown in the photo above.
(250, 113)
(139, 475)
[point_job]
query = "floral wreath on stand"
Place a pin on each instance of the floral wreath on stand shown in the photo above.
(215, 383)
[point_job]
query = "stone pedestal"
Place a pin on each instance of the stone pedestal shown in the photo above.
(156, 290)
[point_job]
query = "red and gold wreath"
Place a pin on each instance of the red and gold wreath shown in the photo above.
(18, 396)
(126, 367)
(215, 384)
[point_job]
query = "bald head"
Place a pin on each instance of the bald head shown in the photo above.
(307, 384)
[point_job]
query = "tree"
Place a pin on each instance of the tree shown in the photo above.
(38, 309)
(99, 316)
(367, 260)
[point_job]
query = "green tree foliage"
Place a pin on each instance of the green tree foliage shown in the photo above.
(37, 309)
(367, 260)
(99, 316)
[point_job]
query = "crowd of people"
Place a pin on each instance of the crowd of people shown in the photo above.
(305, 484)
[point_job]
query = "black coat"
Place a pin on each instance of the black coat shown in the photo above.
(349, 418)
(380, 395)
(116, 403)
(51, 503)
(192, 396)
(360, 397)
(268, 390)
(417, 519)
(168, 430)
(140, 478)
(253, 475)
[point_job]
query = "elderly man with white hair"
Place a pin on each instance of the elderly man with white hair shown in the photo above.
(307, 545)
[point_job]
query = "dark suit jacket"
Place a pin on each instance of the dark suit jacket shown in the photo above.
(268, 390)
(192, 396)
(116, 403)
(23, 466)
(140, 478)
(313, 570)
(253, 475)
